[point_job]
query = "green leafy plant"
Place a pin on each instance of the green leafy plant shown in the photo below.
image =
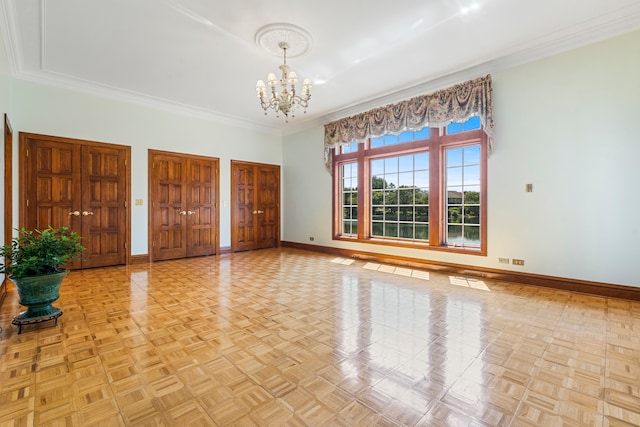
(36, 253)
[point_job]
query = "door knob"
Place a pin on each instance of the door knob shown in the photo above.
(190, 212)
(87, 213)
(183, 212)
(254, 212)
(260, 212)
(74, 213)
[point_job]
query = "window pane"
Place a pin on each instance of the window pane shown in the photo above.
(422, 134)
(454, 176)
(406, 213)
(406, 163)
(472, 155)
(405, 231)
(472, 123)
(422, 197)
(377, 229)
(391, 197)
(406, 197)
(391, 213)
(391, 165)
(454, 234)
(471, 175)
(390, 230)
(463, 195)
(377, 213)
(472, 235)
(406, 137)
(421, 161)
(377, 198)
(422, 232)
(454, 128)
(377, 142)
(422, 213)
(454, 196)
(454, 215)
(472, 215)
(405, 179)
(472, 195)
(377, 167)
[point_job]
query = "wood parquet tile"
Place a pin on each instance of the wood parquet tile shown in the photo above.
(286, 337)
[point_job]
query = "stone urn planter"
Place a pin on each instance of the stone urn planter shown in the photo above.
(35, 263)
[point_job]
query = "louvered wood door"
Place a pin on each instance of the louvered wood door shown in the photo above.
(81, 185)
(183, 192)
(255, 201)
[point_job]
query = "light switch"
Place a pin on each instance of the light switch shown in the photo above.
(529, 188)
(138, 202)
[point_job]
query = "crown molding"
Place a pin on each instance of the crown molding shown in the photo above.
(616, 23)
(611, 25)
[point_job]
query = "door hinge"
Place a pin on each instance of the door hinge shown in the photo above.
(125, 203)
(125, 162)
(27, 202)
(153, 243)
(125, 245)
(27, 152)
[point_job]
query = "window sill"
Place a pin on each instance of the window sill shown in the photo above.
(414, 245)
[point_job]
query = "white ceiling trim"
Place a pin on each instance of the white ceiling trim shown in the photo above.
(610, 25)
(617, 24)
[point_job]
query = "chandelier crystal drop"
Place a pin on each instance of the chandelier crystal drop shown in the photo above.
(287, 100)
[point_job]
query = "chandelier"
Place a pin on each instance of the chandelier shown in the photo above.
(281, 94)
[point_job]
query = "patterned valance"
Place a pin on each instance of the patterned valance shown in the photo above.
(455, 104)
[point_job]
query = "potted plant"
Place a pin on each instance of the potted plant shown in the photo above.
(35, 262)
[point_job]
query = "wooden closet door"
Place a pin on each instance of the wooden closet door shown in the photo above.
(167, 194)
(268, 203)
(183, 193)
(103, 214)
(79, 184)
(255, 200)
(202, 206)
(244, 214)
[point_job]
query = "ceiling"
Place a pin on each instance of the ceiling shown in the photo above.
(200, 57)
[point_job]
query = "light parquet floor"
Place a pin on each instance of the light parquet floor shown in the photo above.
(287, 337)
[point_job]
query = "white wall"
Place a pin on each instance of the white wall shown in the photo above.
(54, 111)
(568, 125)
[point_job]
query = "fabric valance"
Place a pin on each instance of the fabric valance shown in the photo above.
(454, 104)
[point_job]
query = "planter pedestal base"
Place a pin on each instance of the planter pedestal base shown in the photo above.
(30, 317)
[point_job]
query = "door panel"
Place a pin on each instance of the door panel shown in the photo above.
(54, 186)
(79, 184)
(268, 207)
(244, 232)
(255, 206)
(167, 176)
(103, 208)
(201, 207)
(183, 220)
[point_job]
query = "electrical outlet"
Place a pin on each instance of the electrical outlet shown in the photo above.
(503, 260)
(517, 261)
(529, 188)
(311, 239)
(138, 202)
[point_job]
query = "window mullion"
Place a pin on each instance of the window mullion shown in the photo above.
(435, 188)
(363, 194)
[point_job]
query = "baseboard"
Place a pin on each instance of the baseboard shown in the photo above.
(225, 250)
(582, 286)
(139, 259)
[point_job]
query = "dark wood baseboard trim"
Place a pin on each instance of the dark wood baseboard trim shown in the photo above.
(574, 285)
(139, 259)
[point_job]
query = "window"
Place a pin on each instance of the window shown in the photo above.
(425, 188)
